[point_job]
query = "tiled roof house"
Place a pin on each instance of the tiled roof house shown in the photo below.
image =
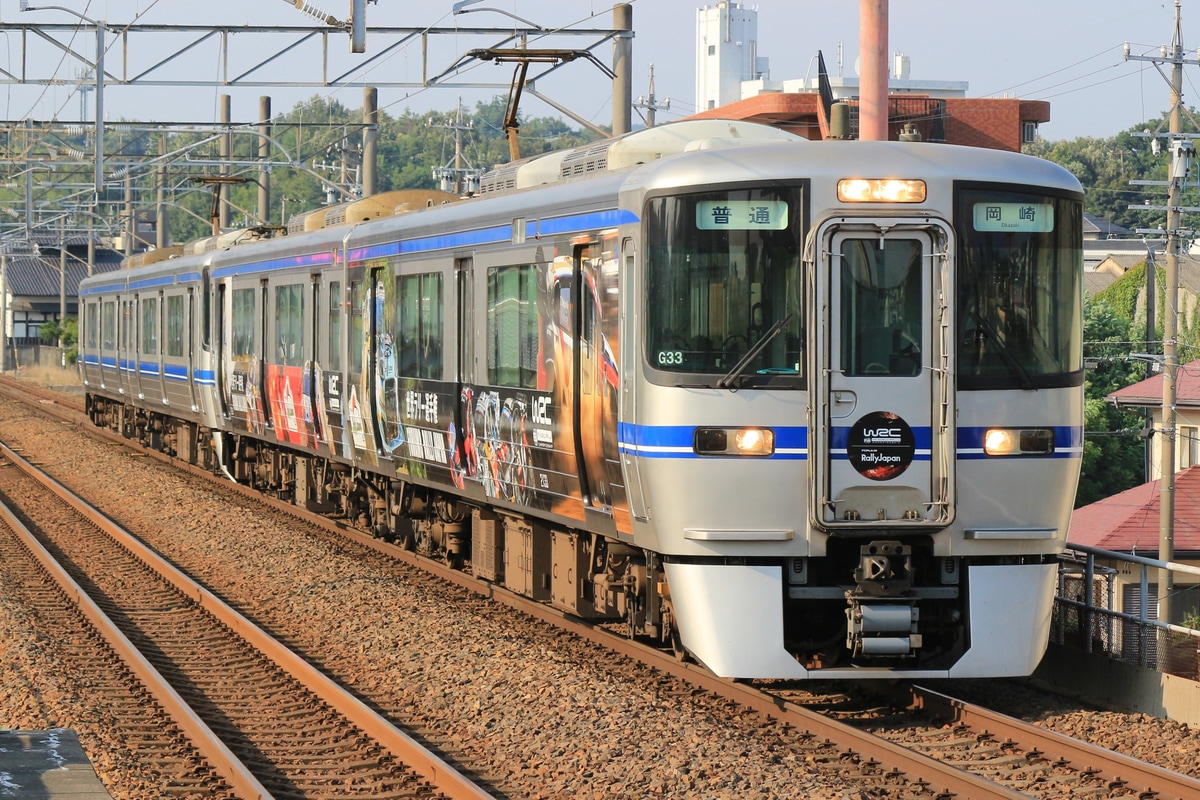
(32, 287)
(1148, 394)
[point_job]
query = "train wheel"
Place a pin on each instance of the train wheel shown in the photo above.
(380, 529)
(404, 537)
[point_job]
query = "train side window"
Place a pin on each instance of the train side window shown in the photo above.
(512, 327)
(289, 325)
(420, 333)
(175, 326)
(243, 323)
(150, 326)
(92, 323)
(108, 325)
(335, 325)
(359, 309)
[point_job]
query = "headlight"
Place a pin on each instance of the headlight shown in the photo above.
(1018, 442)
(880, 190)
(734, 441)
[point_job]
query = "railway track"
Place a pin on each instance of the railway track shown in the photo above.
(915, 746)
(234, 712)
(1027, 758)
(1038, 752)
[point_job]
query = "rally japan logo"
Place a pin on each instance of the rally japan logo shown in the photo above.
(881, 446)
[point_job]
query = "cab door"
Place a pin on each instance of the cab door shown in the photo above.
(883, 437)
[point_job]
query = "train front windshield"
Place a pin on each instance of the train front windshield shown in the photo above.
(724, 288)
(1019, 301)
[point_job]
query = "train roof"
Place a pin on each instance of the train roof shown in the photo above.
(652, 150)
(686, 154)
(831, 161)
(630, 150)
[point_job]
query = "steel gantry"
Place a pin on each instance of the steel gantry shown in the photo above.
(86, 55)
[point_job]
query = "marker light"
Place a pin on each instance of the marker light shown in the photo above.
(880, 190)
(1018, 442)
(734, 441)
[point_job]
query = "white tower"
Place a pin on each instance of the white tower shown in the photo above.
(726, 53)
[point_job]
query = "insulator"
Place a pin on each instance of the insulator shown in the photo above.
(318, 14)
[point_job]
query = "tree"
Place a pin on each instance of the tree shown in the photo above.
(320, 138)
(1113, 445)
(68, 331)
(1106, 167)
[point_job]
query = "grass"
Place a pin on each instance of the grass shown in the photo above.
(52, 376)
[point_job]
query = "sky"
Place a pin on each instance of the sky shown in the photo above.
(1068, 52)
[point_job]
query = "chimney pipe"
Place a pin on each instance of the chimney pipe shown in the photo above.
(873, 70)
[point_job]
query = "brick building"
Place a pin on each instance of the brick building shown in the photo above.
(998, 123)
(733, 81)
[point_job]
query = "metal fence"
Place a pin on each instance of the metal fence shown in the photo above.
(1107, 604)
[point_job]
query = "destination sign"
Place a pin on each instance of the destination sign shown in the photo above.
(1014, 217)
(741, 215)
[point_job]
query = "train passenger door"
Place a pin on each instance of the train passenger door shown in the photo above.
(189, 350)
(240, 364)
(150, 360)
(593, 378)
(110, 352)
(358, 392)
(127, 353)
(883, 439)
(222, 348)
(464, 372)
(289, 346)
(312, 375)
(327, 379)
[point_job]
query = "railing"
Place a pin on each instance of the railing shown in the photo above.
(1090, 616)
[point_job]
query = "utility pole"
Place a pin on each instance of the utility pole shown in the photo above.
(264, 155)
(650, 104)
(462, 178)
(1182, 151)
(370, 142)
(622, 69)
(226, 151)
(161, 220)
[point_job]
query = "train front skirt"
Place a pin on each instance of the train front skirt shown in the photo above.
(733, 622)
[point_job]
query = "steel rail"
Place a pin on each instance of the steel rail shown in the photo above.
(948, 780)
(226, 764)
(1116, 768)
(440, 775)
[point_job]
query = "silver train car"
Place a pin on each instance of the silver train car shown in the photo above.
(795, 409)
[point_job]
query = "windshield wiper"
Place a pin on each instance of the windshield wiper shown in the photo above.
(753, 352)
(1005, 352)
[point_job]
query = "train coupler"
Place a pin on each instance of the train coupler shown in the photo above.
(882, 616)
(878, 628)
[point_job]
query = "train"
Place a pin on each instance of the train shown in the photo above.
(792, 409)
